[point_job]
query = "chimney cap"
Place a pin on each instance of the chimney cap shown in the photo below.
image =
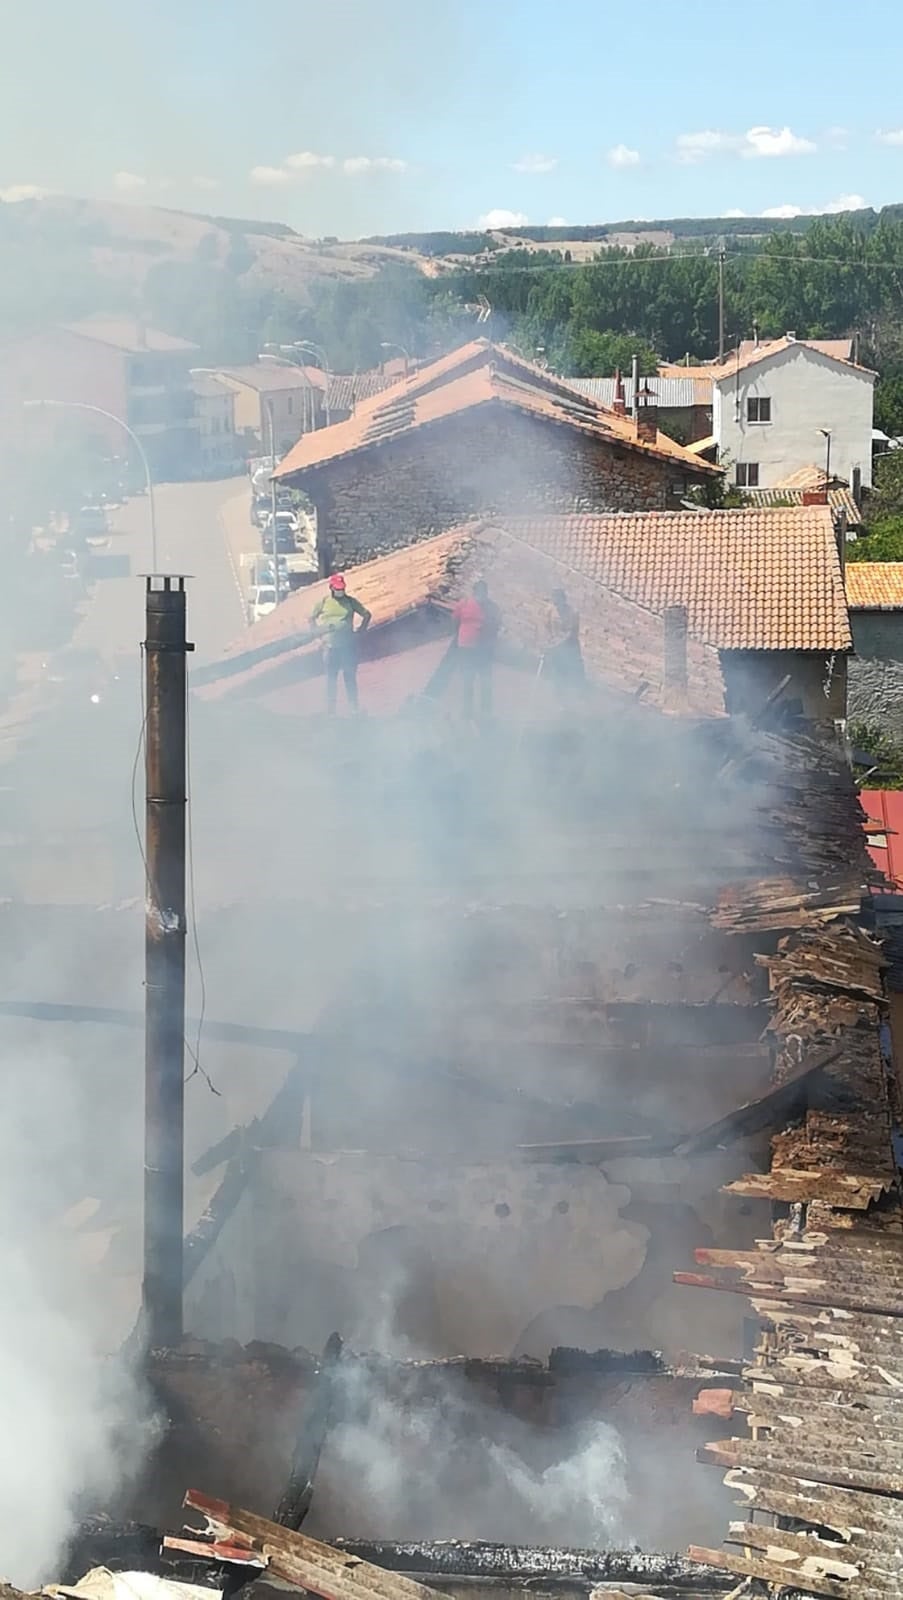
(791, 335)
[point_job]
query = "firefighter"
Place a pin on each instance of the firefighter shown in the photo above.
(477, 624)
(563, 658)
(333, 618)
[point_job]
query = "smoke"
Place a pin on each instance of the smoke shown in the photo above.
(75, 1421)
(454, 1467)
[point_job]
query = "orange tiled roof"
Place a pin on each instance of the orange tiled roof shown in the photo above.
(874, 585)
(748, 353)
(622, 640)
(413, 405)
(751, 580)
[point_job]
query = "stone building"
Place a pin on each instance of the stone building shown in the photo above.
(701, 611)
(479, 433)
(875, 600)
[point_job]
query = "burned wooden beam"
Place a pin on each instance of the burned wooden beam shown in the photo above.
(459, 1558)
(315, 1424)
(803, 1577)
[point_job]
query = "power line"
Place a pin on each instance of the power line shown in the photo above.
(708, 256)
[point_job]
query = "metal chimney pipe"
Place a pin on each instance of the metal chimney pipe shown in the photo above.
(635, 380)
(166, 649)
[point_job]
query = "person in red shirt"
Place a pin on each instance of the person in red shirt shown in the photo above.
(477, 623)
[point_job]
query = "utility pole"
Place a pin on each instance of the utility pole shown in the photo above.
(166, 649)
(271, 413)
(721, 259)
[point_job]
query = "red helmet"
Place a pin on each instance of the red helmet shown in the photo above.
(337, 582)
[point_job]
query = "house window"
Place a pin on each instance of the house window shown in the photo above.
(758, 409)
(747, 475)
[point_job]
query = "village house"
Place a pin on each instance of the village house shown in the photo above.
(215, 409)
(875, 601)
(274, 404)
(477, 433)
(120, 365)
(786, 407)
(705, 611)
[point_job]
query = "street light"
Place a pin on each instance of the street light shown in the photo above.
(82, 405)
(826, 435)
(275, 355)
(389, 344)
(316, 350)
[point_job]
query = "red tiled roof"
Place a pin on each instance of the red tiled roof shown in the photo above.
(751, 580)
(412, 405)
(622, 641)
(749, 353)
(874, 585)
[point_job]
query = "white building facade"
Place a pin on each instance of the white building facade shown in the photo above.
(782, 407)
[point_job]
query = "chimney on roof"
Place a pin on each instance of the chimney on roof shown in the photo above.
(634, 382)
(619, 404)
(755, 335)
(646, 413)
(675, 656)
(790, 337)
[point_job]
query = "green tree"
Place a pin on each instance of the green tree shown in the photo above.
(883, 542)
(886, 499)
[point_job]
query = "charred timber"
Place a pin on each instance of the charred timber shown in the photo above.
(454, 1558)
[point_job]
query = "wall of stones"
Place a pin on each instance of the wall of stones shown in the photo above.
(876, 670)
(485, 461)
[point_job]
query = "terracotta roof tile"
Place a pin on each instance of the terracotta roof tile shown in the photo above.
(874, 585)
(451, 386)
(751, 580)
(748, 353)
(622, 640)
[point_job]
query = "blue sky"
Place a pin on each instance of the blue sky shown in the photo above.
(361, 116)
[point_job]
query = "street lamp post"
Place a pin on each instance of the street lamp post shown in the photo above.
(81, 405)
(276, 355)
(389, 344)
(317, 350)
(826, 435)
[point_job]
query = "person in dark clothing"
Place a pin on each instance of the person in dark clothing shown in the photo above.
(563, 658)
(477, 622)
(333, 617)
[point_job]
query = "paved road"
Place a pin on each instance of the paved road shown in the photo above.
(201, 530)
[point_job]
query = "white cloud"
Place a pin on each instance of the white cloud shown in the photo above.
(500, 218)
(775, 142)
(308, 161)
(270, 177)
(847, 202)
(734, 212)
(353, 166)
(695, 147)
(557, 222)
(890, 136)
(622, 156)
(760, 141)
(22, 191)
(128, 182)
(785, 211)
(535, 164)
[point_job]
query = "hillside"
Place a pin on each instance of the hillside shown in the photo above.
(585, 239)
(64, 256)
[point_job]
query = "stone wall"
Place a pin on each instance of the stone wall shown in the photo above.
(490, 460)
(876, 670)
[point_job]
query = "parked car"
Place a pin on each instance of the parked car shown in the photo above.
(286, 529)
(89, 525)
(261, 601)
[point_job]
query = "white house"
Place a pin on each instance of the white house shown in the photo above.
(789, 404)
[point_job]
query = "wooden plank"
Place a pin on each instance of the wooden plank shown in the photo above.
(828, 1558)
(302, 1562)
(784, 1576)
